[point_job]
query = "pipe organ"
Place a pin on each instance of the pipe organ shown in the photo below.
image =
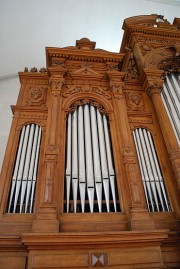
(91, 173)
(89, 163)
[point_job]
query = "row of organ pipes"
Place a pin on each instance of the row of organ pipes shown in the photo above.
(89, 161)
(21, 198)
(153, 182)
(171, 99)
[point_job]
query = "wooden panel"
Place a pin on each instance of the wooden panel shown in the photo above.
(143, 258)
(60, 261)
(12, 262)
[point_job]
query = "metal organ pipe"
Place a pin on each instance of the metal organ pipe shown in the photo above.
(68, 162)
(109, 160)
(153, 182)
(92, 157)
(74, 160)
(25, 171)
(96, 158)
(81, 151)
(171, 99)
(104, 167)
(89, 161)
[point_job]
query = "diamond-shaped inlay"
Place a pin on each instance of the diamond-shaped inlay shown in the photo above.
(98, 260)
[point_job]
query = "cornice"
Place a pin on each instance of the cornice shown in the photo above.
(67, 240)
(32, 75)
(73, 53)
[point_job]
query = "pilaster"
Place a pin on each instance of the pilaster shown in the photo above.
(46, 217)
(140, 218)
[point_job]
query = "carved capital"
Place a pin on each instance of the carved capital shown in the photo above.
(117, 89)
(154, 88)
(56, 85)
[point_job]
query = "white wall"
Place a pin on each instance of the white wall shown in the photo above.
(9, 89)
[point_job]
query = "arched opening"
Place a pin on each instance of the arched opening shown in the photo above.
(90, 180)
(23, 185)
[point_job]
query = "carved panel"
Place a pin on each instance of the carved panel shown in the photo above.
(132, 71)
(135, 101)
(36, 95)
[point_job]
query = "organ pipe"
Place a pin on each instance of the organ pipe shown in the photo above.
(153, 182)
(25, 171)
(81, 150)
(171, 99)
(91, 162)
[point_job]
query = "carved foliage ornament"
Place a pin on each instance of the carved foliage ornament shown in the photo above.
(131, 71)
(37, 95)
(57, 83)
(154, 88)
(134, 101)
(83, 102)
(87, 88)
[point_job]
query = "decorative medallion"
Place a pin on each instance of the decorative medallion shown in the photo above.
(36, 95)
(135, 101)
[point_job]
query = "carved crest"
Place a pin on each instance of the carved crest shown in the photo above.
(135, 101)
(36, 95)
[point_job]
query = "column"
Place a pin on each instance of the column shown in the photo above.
(153, 84)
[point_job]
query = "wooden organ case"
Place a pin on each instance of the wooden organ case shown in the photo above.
(91, 174)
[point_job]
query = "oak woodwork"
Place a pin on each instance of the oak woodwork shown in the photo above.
(126, 87)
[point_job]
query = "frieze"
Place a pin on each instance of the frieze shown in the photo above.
(32, 115)
(140, 120)
(160, 42)
(35, 81)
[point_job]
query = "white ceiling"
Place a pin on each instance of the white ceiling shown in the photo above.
(27, 27)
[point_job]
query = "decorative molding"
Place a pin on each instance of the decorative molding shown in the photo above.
(23, 122)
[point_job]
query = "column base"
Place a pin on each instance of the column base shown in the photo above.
(45, 226)
(141, 220)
